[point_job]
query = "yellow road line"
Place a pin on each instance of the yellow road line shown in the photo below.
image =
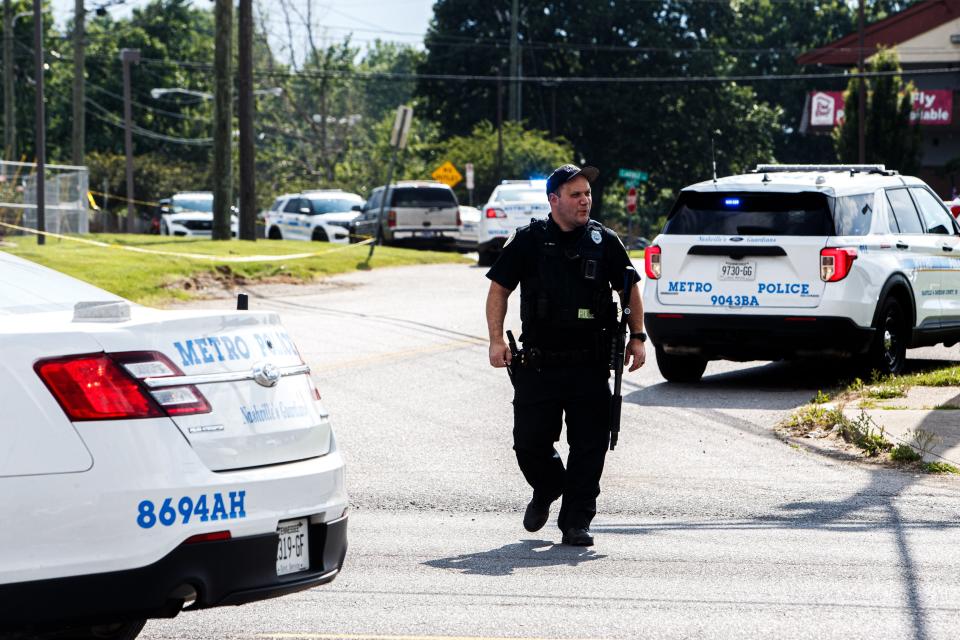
(190, 256)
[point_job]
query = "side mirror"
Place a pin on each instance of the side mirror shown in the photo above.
(356, 207)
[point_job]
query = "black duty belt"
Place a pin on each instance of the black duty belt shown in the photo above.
(537, 358)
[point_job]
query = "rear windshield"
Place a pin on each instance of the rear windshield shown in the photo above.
(750, 214)
(423, 197)
(26, 287)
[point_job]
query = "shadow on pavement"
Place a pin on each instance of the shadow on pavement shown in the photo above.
(525, 554)
(871, 509)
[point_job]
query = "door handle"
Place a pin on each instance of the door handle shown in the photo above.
(947, 247)
(901, 245)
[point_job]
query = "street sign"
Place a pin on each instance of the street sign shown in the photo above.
(632, 200)
(633, 177)
(469, 168)
(401, 127)
(447, 174)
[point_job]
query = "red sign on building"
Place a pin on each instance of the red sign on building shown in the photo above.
(930, 108)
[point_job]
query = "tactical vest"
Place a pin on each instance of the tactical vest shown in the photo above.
(570, 288)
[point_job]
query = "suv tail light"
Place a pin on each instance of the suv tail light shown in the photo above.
(835, 263)
(459, 220)
(493, 212)
(108, 387)
(651, 262)
(391, 218)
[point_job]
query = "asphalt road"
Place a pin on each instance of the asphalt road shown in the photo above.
(709, 526)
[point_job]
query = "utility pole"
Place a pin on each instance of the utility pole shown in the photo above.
(78, 82)
(222, 119)
(40, 115)
(128, 57)
(248, 193)
(861, 96)
(9, 127)
(513, 97)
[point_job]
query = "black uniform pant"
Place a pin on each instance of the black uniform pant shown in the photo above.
(541, 400)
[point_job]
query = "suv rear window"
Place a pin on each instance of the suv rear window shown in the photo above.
(750, 214)
(423, 197)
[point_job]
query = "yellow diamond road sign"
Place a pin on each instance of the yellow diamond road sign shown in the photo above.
(447, 174)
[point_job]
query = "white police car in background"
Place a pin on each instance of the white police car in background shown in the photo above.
(190, 213)
(153, 461)
(512, 204)
(323, 215)
(791, 261)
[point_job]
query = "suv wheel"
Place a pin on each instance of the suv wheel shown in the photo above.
(888, 353)
(274, 234)
(680, 368)
(320, 235)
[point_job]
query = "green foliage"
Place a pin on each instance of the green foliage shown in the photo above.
(904, 453)
(156, 279)
(821, 398)
(526, 154)
(890, 138)
(863, 432)
(940, 467)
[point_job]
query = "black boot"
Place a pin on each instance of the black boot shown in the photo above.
(536, 515)
(577, 537)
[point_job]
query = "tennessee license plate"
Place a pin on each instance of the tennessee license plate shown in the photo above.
(738, 271)
(293, 547)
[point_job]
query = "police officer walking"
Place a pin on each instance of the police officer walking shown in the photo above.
(566, 267)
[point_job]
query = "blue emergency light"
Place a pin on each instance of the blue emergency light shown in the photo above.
(731, 202)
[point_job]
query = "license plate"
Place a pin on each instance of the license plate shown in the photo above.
(738, 271)
(425, 234)
(293, 547)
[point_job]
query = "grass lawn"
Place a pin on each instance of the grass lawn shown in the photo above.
(155, 278)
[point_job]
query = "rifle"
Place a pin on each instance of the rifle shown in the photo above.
(514, 354)
(619, 346)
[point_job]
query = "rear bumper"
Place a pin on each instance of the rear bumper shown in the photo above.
(228, 572)
(754, 337)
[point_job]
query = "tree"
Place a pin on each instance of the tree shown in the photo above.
(663, 127)
(890, 137)
(526, 154)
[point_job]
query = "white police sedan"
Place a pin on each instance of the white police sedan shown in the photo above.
(153, 461)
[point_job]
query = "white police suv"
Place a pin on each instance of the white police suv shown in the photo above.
(190, 213)
(153, 461)
(323, 215)
(512, 204)
(789, 261)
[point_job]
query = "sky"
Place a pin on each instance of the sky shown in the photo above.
(395, 20)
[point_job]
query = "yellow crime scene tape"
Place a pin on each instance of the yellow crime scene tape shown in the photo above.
(190, 256)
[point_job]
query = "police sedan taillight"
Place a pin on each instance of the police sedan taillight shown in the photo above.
(651, 262)
(493, 212)
(835, 263)
(108, 386)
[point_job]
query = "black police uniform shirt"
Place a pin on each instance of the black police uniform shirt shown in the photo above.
(520, 258)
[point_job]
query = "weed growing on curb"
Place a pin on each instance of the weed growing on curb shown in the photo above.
(940, 467)
(821, 398)
(923, 441)
(866, 434)
(904, 453)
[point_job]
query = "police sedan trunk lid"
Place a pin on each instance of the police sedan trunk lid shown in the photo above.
(251, 423)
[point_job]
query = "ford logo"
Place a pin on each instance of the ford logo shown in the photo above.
(736, 239)
(266, 374)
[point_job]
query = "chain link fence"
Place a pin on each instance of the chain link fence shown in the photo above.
(66, 208)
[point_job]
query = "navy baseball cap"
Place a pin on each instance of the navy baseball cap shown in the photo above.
(568, 172)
